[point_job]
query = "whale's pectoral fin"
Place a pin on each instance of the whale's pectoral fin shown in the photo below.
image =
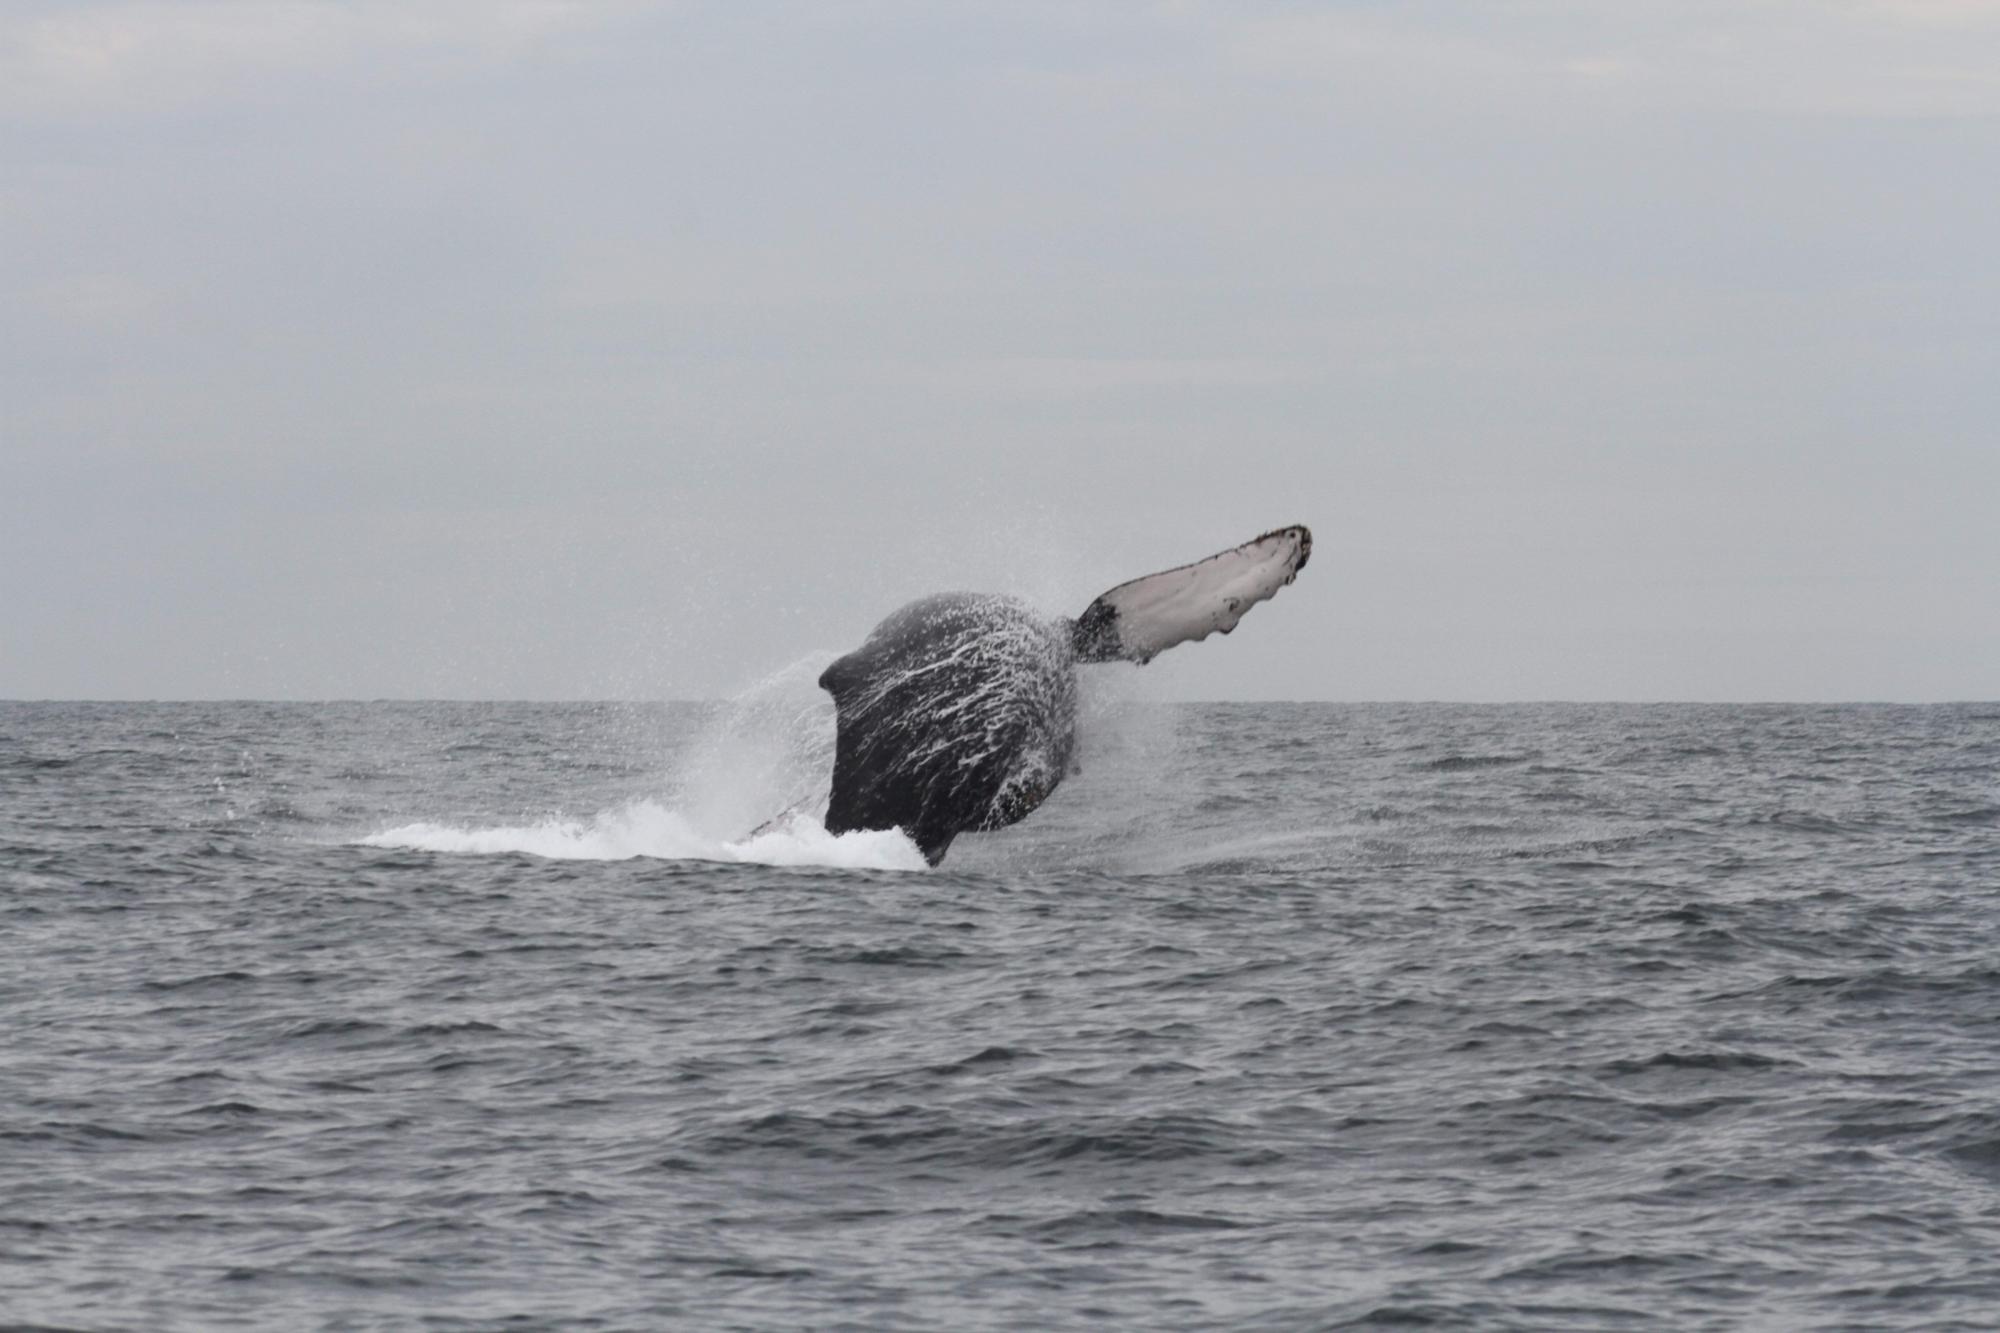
(1136, 621)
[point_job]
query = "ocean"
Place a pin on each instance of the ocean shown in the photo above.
(1285, 1016)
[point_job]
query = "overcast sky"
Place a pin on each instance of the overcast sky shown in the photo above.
(1646, 350)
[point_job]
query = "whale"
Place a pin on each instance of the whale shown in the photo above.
(957, 714)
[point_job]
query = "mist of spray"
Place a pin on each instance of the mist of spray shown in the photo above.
(752, 787)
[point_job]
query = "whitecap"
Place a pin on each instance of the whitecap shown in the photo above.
(649, 829)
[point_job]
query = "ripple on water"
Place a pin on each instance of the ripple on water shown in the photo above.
(1279, 1016)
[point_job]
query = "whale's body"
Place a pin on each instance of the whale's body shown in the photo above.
(958, 713)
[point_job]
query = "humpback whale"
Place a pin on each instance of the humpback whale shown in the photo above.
(958, 713)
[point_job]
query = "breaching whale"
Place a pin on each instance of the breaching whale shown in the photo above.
(958, 714)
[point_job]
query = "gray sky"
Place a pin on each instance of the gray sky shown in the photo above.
(490, 349)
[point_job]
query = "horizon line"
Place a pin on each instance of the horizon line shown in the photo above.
(725, 699)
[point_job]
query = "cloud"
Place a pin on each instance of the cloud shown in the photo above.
(654, 345)
(1068, 377)
(101, 301)
(60, 59)
(1874, 58)
(1937, 13)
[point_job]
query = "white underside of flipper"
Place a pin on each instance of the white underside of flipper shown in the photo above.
(1152, 614)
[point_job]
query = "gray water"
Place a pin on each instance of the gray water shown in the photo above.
(1296, 1016)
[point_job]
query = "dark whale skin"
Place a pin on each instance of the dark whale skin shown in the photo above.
(958, 714)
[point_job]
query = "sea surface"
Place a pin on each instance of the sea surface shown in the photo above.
(409, 1015)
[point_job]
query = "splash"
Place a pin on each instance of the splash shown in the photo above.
(770, 748)
(647, 828)
(767, 750)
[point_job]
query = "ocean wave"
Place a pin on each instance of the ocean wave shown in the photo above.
(1465, 763)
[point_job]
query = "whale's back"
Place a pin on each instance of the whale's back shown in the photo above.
(957, 714)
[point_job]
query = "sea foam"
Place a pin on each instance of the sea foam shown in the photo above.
(768, 749)
(647, 828)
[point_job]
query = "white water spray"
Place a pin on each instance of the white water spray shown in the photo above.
(767, 752)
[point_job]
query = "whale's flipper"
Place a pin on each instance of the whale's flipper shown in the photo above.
(1136, 621)
(805, 806)
(958, 713)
